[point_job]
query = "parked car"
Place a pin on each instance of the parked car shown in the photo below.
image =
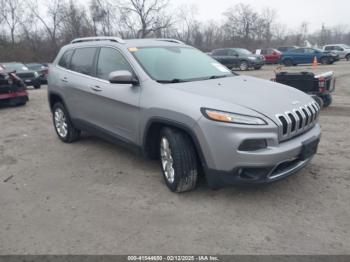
(42, 71)
(12, 89)
(307, 55)
(342, 50)
(29, 77)
(272, 56)
(320, 87)
(173, 103)
(284, 49)
(238, 58)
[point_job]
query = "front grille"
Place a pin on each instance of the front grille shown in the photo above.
(25, 75)
(297, 121)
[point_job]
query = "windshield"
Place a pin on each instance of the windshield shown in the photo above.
(346, 46)
(15, 66)
(243, 51)
(178, 64)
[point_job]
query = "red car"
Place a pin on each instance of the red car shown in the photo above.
(272, 56)
(12, 89)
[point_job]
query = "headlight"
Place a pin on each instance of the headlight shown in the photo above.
(252, 58)
(36, 74)
(234, 118)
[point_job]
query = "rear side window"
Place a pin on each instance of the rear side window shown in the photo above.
(65, 59)
(222, 52)
(329, 48)
(111, 60)
(299, 51)
(83, 60)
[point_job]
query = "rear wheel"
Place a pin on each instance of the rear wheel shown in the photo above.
(257, 67)
(178, 160)
(63, 125)
(327, 100)
(243, 66)
(347, 57)
(37, 86)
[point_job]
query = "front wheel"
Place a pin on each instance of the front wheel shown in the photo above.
(178, 160)
(65, 130)
(288, 62)
(325, 61)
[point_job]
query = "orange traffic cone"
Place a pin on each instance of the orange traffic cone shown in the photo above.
(315, 63)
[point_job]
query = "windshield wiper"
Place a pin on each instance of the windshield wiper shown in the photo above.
(172, 81)
(217, 77)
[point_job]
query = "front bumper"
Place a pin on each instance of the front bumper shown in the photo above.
(31, 81)
(256, 63)
(226, 165)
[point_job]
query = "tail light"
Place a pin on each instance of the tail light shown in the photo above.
(322, 84)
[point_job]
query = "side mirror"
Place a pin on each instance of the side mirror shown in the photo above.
(122, 77)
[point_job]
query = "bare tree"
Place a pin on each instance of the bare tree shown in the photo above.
(242, 21)
(145, 16)
(52, 20)
(103, 16)
(11, 13)
(75, 21)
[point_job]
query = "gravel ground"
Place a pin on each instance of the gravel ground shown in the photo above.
(92, 197)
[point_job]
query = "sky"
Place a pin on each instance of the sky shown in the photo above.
(291, 13)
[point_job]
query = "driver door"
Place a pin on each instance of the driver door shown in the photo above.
(116, 107)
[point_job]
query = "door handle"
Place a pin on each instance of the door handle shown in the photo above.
(64, 79)
(96, 88)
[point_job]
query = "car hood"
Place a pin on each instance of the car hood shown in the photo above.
(262, 96)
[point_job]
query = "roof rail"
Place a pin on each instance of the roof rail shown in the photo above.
(170, 40)
(98, 38)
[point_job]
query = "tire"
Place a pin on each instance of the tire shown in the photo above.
(288, 62)
(327, 100)
(347, 57)
(325, 61)
(319, 101)
(64, 128)
(257, 67)
(243, 66)
(37, 86)
(178, 160)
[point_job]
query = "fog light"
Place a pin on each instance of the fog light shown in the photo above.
(253, 145)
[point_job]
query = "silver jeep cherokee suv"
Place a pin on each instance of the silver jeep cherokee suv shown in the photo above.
(171, 102)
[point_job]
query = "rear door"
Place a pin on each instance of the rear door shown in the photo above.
(79, 96)
(222, 56)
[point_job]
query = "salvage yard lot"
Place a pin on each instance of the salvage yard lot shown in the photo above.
(92, 197)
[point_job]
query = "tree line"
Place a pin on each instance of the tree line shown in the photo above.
(32, 30)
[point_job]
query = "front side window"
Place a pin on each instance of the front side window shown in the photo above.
(110, 60)
(243, 51)
(83, 60)
(178, 64)
(338, 48)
